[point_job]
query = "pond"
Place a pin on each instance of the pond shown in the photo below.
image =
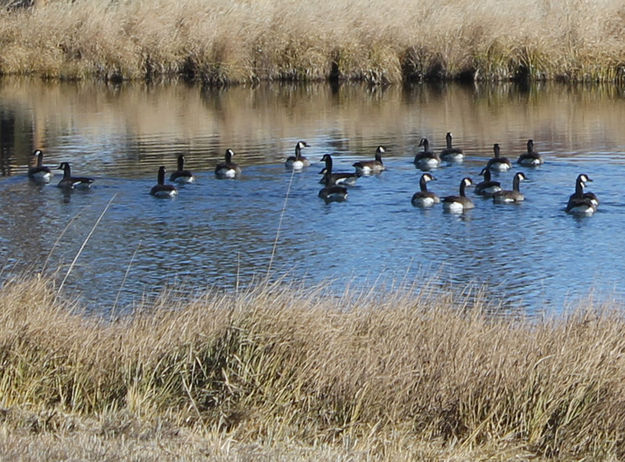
(116, 245)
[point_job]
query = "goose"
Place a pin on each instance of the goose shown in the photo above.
(451, 154)
(181, 175)
(587, 195)
(332, 192)
(367, 167)
(530, 158)
(459, 203)
(508, 197)
(227, 169)
(39, 172)
(497, 163)
(72, 182)
(425, 198)
(161, 189)
(580, 203)
(298, 162)
(426, 159)
(487, 187)
(336, 178)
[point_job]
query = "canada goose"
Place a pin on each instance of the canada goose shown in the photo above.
(39, 172)
(530, 158)
(451, 154)
(425, 198)
(426, 159)
(587, 195)
(161, 189)
(332, 192)
(461, 202)
(181, 175)
(497, 163)
(72, 182)
(298, 162)
(227, 169)
(579, 203)
(487, 187)
(367, 167)
(336, 178)
(507, 197)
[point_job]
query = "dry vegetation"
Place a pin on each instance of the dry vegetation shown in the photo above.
(292, 373)
(223, 41)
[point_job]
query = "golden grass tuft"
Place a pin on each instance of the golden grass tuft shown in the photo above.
(383, 375)
(220, 42)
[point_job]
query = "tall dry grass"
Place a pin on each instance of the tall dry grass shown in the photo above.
(370, 375)
(222, 41)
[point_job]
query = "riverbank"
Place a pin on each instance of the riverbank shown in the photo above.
(296, 373)
(219, 42)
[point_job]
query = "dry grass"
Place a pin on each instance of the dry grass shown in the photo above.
(292, 373)
(222, 41)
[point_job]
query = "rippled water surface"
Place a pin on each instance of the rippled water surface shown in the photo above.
(116, 244)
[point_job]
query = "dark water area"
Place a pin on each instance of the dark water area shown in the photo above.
(221, 233)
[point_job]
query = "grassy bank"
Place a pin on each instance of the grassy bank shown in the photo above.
(284, 372)
(219, 41)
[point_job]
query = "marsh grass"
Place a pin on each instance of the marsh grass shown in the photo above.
(287, 371)
(219, 42)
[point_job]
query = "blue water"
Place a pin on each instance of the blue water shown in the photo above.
(221, 233)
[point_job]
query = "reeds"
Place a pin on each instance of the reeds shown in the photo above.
(219, 42)
(374, 375)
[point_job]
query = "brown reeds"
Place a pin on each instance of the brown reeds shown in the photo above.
(373, 375)
(219, 41)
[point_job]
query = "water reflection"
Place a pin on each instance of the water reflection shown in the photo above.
(222, 233)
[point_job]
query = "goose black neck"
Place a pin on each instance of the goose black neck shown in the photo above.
(579, 187)
(448, 140)
(180, 162)
(327, 179)
(463, 185)
(487, 176)
(40, 159)
(298, 152)
(67, 170)
(423, 184)
(426, 145)
(516, 181)
(161, 175)
(530, 146)
(496, 150)
(328, 161)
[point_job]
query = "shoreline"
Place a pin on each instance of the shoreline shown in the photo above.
(406, 41)
(280, 370)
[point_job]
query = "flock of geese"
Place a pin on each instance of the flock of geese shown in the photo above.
(336, 183)
(579, 203)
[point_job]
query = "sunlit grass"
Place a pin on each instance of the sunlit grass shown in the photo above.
(220, 41)
(296, 371)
